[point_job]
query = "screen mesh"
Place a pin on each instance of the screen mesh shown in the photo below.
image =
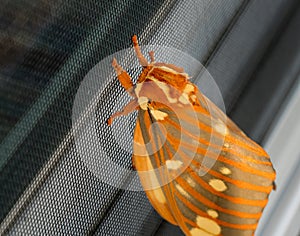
(48, 49)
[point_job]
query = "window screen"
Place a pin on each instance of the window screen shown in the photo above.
(47, 50)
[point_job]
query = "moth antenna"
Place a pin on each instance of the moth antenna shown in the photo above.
(152, 58)
(116, 66)
(138, 52)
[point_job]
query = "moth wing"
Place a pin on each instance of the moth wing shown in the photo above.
(225, 184)
(149, 179)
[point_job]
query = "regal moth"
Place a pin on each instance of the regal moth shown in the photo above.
(198, 169)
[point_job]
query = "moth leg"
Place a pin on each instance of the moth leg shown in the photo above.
(152, 58)
(123, 77)
(138, 52)
(129, 107)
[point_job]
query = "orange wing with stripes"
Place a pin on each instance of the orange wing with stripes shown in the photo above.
(223, 198)
(198, 169)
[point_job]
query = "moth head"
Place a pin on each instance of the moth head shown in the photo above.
(166, 84)
(166, 73)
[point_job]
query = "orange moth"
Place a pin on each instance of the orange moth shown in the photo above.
(198, 169)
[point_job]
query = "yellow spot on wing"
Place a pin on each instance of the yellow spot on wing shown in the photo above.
(198, 232)
(212, 213)
(173, 164)
(191, 182)
(221, 128)
(189, 88)
(227, 145)
(158, 115)
(182, 191)
(194, 98)
(225, 171)
(208, 225)
(218, 185)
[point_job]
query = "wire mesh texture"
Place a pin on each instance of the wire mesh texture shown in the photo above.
(47, 49)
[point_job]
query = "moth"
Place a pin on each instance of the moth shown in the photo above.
(198, 169)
